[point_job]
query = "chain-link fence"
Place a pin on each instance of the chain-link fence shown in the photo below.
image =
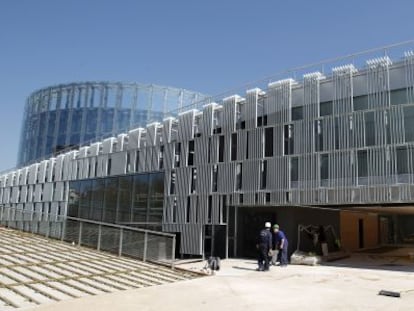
(146, 245)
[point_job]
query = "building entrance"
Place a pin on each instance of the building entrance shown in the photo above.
(250, 220)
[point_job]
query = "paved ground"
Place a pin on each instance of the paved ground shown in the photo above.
(237, 286)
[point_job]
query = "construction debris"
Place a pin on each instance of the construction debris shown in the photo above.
(302, 258)
(389, 293)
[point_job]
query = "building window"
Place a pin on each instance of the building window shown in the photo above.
(214, 178)
(247, 145)
(288, 139)
(223, 210)
(108, 167)
(239, 176)
(234, 146)
(318, 135)
(210, 209)
(217, 130)
(297, 113)
(239, 116)
(172, 182)
(196, 211)
(89, 165)
(409, 123)
(240, 125)
(209, 150)
(399, 97)
(362, 157)
(156, 198)
(221, 149)
(369, 128)
(187, 214)
(193, 179)
(190, 153)
(267, 198)
(177, 154)
(288, 196)
(402, 161)
(268, 142)
(337, 129)
(294, 172)
(161, 158)
(387, 127)
(324, 167)
(326, 108)
(174, 211)
(360, 102)
(262, 121)
(263, 174)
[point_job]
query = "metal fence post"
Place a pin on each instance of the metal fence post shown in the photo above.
(98, 246)
(62, 233)
(121, 235)
(48, 228)
(173, 253)
(145, 246)
(80, 233)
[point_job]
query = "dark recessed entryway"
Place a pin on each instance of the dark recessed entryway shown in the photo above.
(250, 220)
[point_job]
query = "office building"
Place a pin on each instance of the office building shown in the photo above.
(329, 148)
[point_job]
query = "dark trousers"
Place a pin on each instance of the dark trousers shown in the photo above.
(263, 257)
(282, 256)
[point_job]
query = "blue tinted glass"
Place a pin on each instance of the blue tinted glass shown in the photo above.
(123, 119)
(91, 120)
(107, 121)
(74, 139)
(76, 121)
(63, 120)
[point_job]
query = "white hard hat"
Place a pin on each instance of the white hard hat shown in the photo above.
(268, 224)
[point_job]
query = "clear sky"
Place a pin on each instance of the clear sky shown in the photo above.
(208, 46)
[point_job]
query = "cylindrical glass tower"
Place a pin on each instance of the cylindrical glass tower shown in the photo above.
(60, 117)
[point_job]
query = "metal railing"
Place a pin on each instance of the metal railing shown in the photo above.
(146, 245)
(394, 51)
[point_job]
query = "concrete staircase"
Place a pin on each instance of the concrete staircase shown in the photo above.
(35, 270)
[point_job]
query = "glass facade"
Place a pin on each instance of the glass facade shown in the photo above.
(67, 116)
(135, 200)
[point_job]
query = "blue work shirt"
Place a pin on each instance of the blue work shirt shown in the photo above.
(278, 237)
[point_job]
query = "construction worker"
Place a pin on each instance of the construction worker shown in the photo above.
(264, 247)
(281, 245)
